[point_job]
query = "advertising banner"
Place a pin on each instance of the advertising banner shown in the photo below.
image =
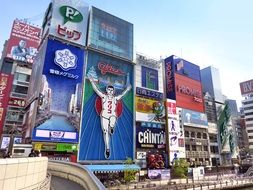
(156, 160)
(189, 93)
(16, 102)
(150, 138)
(176, 132)
(154, 174)
(150, 124)
(58, 114)
(170, 79)
(195, 119)
(107, 119)
(111, 34)
(149, 110)
(68, 21)
(149, 93)
(5, 88)
(23, 42)
(149, 78)
(5, 142)
(246, 87)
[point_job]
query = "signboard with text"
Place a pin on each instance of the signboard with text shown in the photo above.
(246, 87)
(23, 42)
(58, 112)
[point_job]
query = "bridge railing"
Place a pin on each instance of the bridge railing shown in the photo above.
(76, 173)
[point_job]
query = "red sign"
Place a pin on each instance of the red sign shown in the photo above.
(23, 42)
(107, 68)
(5, 88)
(68, 33)
(16, 102)
(246, 87)
(189, 93)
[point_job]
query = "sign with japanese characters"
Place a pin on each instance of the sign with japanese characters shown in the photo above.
(23, 42)
(149, 93)
(58, 114)
(5, 88)
(69, 20)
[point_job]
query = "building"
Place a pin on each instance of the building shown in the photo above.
(247, 106)
(184, 89)
(210, 110)
(16, 67)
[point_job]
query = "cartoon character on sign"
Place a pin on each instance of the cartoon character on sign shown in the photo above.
(108, 112)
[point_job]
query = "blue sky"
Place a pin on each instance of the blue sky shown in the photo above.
(205, 32)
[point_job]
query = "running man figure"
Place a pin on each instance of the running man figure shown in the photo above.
(108, 114)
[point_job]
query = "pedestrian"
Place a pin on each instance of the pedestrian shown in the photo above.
(8, 155)
(32, 154)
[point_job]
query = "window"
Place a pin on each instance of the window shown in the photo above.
(20, 89)
(187, 147)
(22, 77)
(194, 148)
(205, 148)
(199, 135)
(204, 136)
(186, 134)
(193, 134)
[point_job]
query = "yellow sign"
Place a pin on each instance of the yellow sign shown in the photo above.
(144, 105)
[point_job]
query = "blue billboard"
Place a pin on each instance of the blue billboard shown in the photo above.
(110, 34)
(107, 113)
(149, 78)
(193, 118)
(58, 111)
(170, 78)
(185, 68)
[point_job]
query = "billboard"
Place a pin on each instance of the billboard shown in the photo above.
(19, 102)
(68, 20)
(107, 113)
(170, 79)
(5, 88)
(149, 93)
(149, 110)
(185, 68)
(193, 118)
(176, 132)
(58, 111)
(189, 93)
(246, 87)
(150, 138)
(110, 34)
(23, 43)
(149, 78)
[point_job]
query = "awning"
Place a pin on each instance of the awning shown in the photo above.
(112, 168)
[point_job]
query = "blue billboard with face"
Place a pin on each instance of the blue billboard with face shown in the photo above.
(107, 116)
(58, 112)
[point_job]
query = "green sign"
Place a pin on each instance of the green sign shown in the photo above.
(70, 14)
(66, 147)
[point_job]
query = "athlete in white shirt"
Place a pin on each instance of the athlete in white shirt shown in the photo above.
(108, 114)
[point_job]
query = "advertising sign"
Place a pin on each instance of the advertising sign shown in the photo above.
(150, 124)
(16, 102)
(189, 93)
(107, 120)
(5, 88)
(111, 34)
(149, 78)
(195, 119)
(149, 93)
(150, 138)
(156, 160)
(149, 110)
(154, 174)
(58, 114)
(176, 132)
(165, 174)
(5, 142)
(23, 42)
(246, 87)
(69, 20)
(170, 79)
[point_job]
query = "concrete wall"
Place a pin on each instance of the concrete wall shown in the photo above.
(76, 173)
(23, 173)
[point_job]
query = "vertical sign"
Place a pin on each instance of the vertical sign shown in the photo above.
(176, 134)
(5, 88)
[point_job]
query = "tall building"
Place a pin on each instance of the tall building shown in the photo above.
(16, 67)
(183, 88)
(210, 110)
(247, 106)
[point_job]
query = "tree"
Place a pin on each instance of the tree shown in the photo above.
(129, 174)
(180, 168)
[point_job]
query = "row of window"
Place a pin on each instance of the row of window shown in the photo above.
(195, 148)
(193, 134)
(249, 102)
